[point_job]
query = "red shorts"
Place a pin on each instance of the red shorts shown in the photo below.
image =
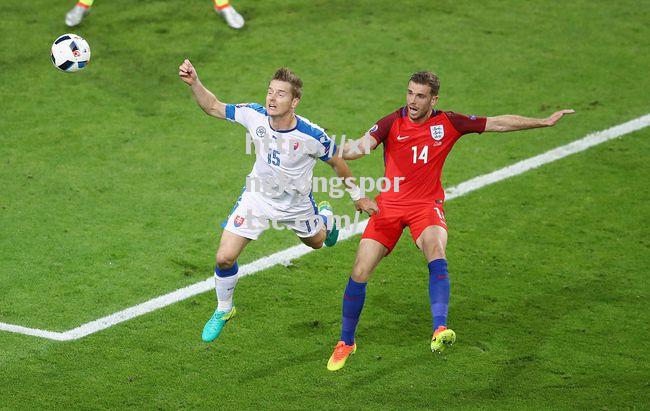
(387, 226)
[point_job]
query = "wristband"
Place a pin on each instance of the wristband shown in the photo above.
(355, 193)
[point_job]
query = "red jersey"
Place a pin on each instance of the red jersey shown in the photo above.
(415, 153)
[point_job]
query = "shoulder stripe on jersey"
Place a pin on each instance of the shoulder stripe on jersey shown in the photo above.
(331, 150)
(256, 107)
(305, 127)
(308, 129)
(230, 109)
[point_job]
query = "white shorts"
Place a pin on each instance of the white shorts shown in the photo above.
(253, 214)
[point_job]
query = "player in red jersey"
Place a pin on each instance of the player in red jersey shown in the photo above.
(417, 139)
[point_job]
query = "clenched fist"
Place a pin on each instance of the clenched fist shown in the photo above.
(187, 73)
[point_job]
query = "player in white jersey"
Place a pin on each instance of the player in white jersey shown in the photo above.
(278, 189)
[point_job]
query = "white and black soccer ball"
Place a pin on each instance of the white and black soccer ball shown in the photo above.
(70, 53)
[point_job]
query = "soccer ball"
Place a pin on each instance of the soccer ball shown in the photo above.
(70, 53)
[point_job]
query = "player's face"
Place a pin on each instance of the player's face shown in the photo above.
(419, 101)
(279, 99)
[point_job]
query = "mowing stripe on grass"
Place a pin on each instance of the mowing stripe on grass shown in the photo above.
(284, 257)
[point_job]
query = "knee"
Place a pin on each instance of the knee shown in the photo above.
(437, 249)
(225, 260)
(316, 245)
(316, 241)
(360, 273)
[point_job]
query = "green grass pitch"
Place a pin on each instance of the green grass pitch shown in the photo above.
(114, 184)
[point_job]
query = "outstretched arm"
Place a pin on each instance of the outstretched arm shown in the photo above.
(353, 149)
(511, 122)
(205, 99)
(343, 171)
(378, 133)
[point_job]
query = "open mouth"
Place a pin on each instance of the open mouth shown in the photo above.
(413, 111)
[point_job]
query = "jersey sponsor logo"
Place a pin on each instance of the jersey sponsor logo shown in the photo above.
(260, 131)
(400, 138)
(373, 128)
(239, 220)
(437, 132)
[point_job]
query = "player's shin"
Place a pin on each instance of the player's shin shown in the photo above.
(329, 222)
(439, 292)
(225, 282)
(353, 299)
(328, 219)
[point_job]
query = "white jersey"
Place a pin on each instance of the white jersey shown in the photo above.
(278, 189)
(285, 159)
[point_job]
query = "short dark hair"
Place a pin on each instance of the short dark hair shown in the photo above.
(286, 75)
(428, 79)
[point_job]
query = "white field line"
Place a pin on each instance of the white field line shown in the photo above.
(286, 256)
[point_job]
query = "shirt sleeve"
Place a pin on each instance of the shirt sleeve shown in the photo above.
(382, 127)
(243, 113)
(466, 124)
(326, 147)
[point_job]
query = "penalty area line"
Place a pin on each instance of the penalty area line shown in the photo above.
(285, 257)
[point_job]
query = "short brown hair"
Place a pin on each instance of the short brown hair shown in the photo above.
(286, 75)
(428, 79)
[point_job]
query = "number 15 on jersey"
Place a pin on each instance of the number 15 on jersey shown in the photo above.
(273, 158)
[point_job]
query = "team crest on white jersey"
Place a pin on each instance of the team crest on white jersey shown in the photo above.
(437, 132)
(260, 131)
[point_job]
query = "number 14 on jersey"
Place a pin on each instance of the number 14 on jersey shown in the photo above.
(424, 154)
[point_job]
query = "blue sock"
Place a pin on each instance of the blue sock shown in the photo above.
(439, 291)
(228, 272)
(353, 298)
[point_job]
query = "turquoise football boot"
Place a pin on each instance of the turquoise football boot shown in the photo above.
(215, 324)
(333, 234)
